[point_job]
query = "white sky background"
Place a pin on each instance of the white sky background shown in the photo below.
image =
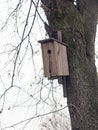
(24, 100)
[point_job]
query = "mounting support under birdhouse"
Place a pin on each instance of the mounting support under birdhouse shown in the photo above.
(54, 54)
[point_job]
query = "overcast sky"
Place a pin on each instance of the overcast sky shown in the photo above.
(24, 100)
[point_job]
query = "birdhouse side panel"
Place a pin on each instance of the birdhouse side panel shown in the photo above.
(48, 53)
(65, 61)
(61, 59)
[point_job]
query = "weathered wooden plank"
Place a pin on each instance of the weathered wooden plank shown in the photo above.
(46, 41)
(61, 59)
(45, 60)
(49, 62)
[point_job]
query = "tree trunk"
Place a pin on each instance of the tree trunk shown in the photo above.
(78, 24)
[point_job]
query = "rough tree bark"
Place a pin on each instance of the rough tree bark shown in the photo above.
(78, 24)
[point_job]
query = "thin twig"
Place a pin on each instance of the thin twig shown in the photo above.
(19, 47)
(34, 117)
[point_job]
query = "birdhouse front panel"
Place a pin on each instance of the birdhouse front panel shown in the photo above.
(49, 60)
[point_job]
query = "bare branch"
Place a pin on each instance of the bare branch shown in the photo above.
(19, 47)
(11, 14)
(34, 117)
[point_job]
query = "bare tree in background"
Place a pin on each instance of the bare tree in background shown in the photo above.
(58, 121)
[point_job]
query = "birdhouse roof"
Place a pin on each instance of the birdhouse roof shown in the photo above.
(51, 40)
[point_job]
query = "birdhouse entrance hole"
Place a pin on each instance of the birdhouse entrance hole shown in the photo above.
(49, 51)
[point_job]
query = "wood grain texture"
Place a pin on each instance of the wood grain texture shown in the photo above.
(54, 59)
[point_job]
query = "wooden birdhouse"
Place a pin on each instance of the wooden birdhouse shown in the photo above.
(54, 54)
